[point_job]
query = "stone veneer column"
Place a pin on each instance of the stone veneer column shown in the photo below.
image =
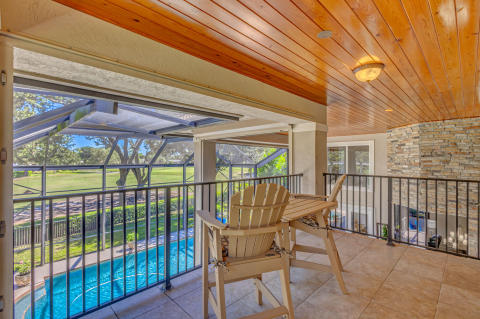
(205, 161)
(6, 179)
(308, 155)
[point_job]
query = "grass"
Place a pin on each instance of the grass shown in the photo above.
(60, 249)
(74, 180)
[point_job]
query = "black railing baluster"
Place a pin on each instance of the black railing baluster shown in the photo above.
(135, 260)
(400, 202)
(468, 208)
(446, 216)
(98, 249)
(32, 259)
(408, 211)
(83, 254)
(67, 278)
(195, 225)
(389, 233)
(418, 210)
(366, 204)
(425, 216)
(157, 224)
(437, 244)
(185, 223)
(167, 239)
(178, 227)
(50, 254)
(111, 245)
(147, 236)
(124, 210)
(381, 207)
(456, 216)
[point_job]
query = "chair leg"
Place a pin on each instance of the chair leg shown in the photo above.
(285, 282)
(220, 292)
(205, 288)
(259, 292)
(332, 240)
(334, 261)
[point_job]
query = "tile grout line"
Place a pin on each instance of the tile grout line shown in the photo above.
(303, 301)
(179, 306)
(381, 284)
(441, 284)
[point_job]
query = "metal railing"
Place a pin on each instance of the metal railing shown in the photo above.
(434, 213)
(145, 237)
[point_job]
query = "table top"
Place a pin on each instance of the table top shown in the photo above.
(301, 207)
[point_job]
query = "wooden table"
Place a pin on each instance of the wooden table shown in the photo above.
(302, 207)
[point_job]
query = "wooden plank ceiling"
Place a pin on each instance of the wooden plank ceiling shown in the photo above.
(430, 49)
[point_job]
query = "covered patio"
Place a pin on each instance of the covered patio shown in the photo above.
(356, 121)
(383, 282)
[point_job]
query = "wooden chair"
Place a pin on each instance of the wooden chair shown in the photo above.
(253, 242)
(318, 225)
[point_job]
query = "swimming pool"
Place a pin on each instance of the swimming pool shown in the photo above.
(42, 294)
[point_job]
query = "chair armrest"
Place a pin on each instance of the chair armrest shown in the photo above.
(252, 231)
(310, 196)
(210, 220)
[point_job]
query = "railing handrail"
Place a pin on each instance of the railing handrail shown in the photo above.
(138, 189)
(407, 177)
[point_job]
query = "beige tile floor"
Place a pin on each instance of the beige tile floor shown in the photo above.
(383, 282)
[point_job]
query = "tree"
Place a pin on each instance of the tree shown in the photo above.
(92, 155)
(130, 151)
(277, 166)
(55, 149)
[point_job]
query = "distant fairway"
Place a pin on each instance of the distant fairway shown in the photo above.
(90, 180)
(73, 181)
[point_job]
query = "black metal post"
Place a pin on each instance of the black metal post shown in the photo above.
(389, 238)
(166, 262)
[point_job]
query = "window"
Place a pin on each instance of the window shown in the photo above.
(351, 157)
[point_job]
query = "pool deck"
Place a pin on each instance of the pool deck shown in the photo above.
(383, 282)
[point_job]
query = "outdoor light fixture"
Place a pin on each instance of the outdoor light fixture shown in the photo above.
(368, 71)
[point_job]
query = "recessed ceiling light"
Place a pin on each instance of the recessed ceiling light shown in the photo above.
(324, 34)
(388, 110)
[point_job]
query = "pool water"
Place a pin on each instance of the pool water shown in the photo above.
(42, 295)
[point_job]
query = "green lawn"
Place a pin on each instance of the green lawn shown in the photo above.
(71, 181)
(77, 180)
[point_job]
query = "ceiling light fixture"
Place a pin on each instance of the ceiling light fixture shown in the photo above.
(368, 71)
(388, 110)
(324, 34)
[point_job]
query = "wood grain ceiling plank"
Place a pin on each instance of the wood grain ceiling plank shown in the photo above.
(289, 29)
(200, 15)
(310, 28)
(444, 19)
(421, 21)
(161, 33)
(258, 22)
(340, 10)
(375, 23)
(476, 111)
(239, 55)
(468, 17)
(397, 20)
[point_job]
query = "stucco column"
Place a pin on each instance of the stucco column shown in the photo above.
(307, 147)
(6, 181)
(205, 171)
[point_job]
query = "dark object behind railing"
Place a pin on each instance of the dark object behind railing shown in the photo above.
(434, 213)
(90, 264)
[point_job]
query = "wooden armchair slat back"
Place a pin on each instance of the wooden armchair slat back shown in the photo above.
(336, 189)
(267, 202)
